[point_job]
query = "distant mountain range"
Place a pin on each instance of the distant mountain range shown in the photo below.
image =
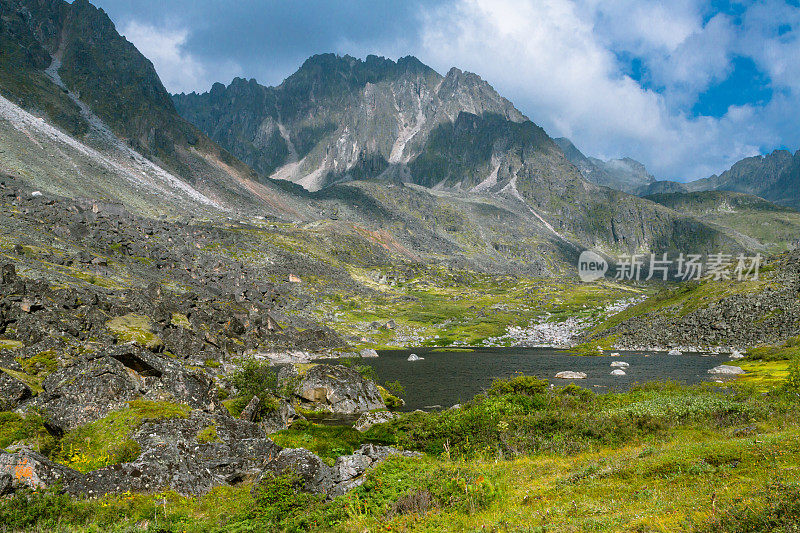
(340, 119)
(774, 177)
(441, 166)
(625, 174)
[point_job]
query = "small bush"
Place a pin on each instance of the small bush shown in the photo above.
(366, 371)
(254, 378)
(29, 428)
(281, 505)
(26, 510)
(395, 387)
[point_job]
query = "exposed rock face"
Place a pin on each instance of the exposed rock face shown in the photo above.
(27, 468)
(775, 176)
(768, 315)
(627, 175)
(367, 420)
(316, 476)
(452, 133)
(12, 391)
(172, 458)
(90, 388)
(339, 390)
(279, 419)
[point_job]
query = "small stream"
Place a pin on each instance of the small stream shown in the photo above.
(443, 379)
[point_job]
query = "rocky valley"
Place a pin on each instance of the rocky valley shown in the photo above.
(193, 287)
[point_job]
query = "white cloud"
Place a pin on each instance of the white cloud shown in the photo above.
(558, 61)
(179, 70)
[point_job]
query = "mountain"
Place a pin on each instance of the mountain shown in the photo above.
(772, 227)
(339, 119)
(85, 114)
(775, 177)
(627, 175)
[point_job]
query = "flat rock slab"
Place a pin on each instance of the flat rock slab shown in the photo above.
(727, 370)
(571, 375)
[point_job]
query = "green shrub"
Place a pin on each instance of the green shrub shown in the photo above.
(527, 385)
(29, 428)
(254, 378)
(44, 511)
(366, 371)
(281, 505)
(395, 387)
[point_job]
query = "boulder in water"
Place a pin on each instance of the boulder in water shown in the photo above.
(618, 372)
(415, 357)
(620, 364)
(568, 374)
(675, 351)
(338, 389)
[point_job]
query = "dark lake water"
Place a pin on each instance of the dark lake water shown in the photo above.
(447, 378)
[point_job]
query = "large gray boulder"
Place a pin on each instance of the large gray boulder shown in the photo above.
(569, 374)
(13, 392)
(315, 476)
(28, 469)
(91, 387)
(173, 457)
(338, 389)
(727, 370)
(367, 420)
(279, 419)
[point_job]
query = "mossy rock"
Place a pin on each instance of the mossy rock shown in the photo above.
(135, 328)
(208, 435)
(180, 320)
(7, 344)
(108, 441)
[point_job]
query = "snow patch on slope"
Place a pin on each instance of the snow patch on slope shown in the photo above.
(137, 169)
(116, 156)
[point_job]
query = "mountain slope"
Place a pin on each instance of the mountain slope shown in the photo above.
(339, 119)
(66, 63)
(775, 227)
(775, 177)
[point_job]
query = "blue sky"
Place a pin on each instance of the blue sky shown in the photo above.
(687, 87)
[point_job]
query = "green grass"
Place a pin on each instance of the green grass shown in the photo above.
(135, 328)
(107, 441)
(329, 442)
(28, 429)
(6, 344)
(208, 435)
(448, 308)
